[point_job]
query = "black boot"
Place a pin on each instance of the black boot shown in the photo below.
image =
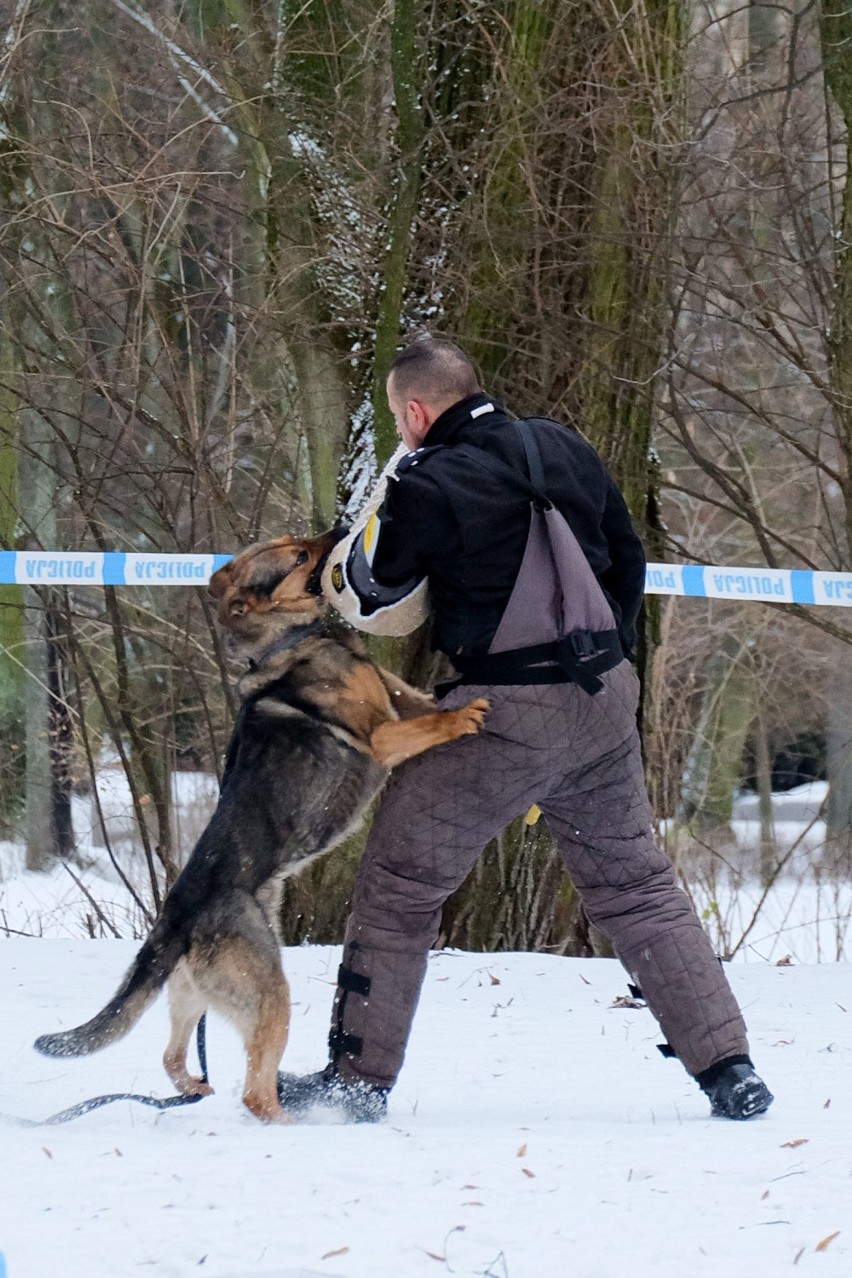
(734, 1089)
(354, 1102)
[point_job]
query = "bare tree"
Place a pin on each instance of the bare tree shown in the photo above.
(213, 240)
(754, 455)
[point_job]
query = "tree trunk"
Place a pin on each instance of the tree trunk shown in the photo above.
(839, 756)
(48, 816)
(715, 760)
(12, 650)
(407, 69)
(837, 53)
(763, 766)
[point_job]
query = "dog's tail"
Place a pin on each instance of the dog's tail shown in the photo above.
(148, 974)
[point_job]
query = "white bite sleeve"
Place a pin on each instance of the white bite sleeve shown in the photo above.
(347, 581)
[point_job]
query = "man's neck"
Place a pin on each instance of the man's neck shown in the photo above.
(471, 409)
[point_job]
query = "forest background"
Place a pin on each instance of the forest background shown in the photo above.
(218, 221)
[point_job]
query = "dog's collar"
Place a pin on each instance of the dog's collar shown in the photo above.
(290, 640)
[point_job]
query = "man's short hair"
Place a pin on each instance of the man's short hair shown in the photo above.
(433, 370)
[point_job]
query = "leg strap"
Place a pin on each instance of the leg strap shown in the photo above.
(342, 1044)
(353, 982)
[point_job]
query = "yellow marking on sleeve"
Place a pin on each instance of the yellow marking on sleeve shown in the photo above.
(533, 815)
(371, 536)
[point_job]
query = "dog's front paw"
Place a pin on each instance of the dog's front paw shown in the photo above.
(471, 717)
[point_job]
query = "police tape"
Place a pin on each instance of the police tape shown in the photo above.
(765, 585)
(116, 568)
(111, 568)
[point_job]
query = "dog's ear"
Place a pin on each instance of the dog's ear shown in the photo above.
(220, 581)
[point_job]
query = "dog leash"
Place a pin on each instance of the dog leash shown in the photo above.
(97, 1102)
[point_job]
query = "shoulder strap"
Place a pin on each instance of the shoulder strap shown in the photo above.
(534, 486)
(534, 462)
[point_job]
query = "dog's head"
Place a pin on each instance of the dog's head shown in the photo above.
(271, 588)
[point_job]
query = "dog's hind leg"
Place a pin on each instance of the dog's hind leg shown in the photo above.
(186, 1007)
(241, 977)
(264, 1047)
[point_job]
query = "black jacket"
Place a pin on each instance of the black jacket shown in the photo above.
(447, 518)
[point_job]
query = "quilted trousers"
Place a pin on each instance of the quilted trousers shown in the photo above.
(578, 757)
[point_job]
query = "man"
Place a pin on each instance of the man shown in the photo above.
(489, 512)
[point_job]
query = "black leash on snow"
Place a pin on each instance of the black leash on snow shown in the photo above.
(97, 1102)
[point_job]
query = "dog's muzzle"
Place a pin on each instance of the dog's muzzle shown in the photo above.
(314, 583)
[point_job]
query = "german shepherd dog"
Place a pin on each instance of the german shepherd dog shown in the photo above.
(318, 730)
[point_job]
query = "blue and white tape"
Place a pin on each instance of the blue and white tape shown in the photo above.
(767, 585)
(91, 568)
(115, 568)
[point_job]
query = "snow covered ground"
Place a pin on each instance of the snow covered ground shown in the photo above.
(536, 1131)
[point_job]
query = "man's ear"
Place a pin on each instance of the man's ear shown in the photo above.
(421, 418)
